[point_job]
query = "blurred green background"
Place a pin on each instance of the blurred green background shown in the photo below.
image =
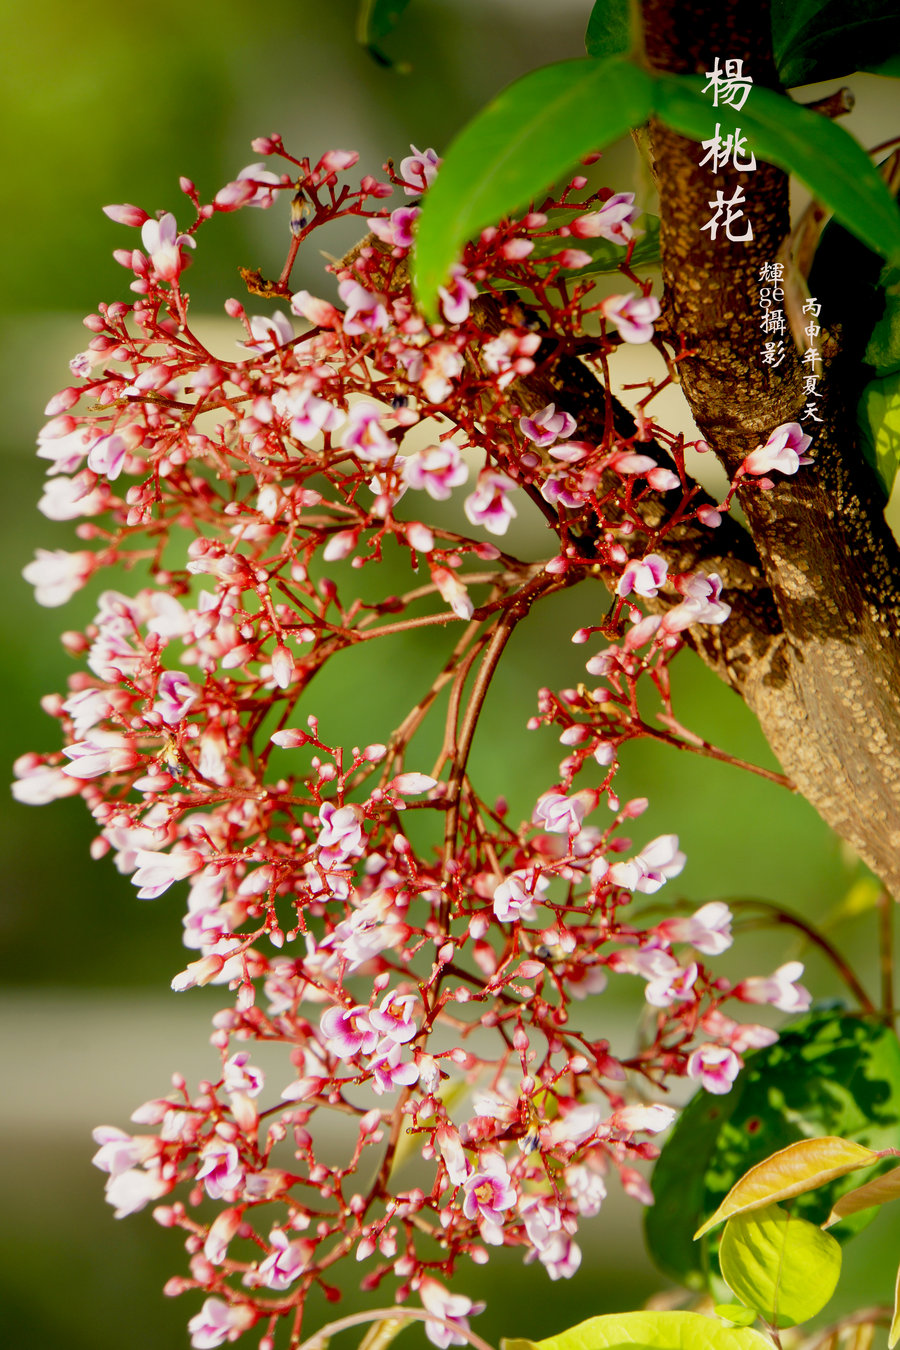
(110, 104)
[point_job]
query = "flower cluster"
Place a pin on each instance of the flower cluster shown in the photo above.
(428, 982)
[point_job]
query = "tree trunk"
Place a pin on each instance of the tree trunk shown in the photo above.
(825, 680)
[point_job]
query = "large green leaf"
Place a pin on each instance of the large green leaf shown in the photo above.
(517, 147)
(878, 416)
(826, 158)
(783, 1266)
(648, 1331)
(827, 1075)
(826, 39)
(609, 28)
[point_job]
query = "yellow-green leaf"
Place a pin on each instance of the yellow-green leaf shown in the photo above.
(799, 1167)
(878, 1191)
(894, 1333)
(783, 1266)
(648, 1331)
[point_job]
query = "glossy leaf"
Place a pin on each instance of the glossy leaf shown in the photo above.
(828, 1074)
(736, 1313)
(826, 39)
(889, 68)
(822, 154)
(648, 1331)
(783, 1266)
(878, 1191)
(878, 416)
(803, 1166)
(517, 147)
(609, 28)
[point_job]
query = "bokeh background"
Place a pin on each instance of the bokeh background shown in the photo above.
(111, 103)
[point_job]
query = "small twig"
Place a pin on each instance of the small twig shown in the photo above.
(783, 916)
(886, 955)
(321, 1338)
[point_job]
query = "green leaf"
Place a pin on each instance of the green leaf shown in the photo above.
(609, 28)
(826, 39)
(889, 68)
(879, 1191)
(648, 1331)
(878, 416)
(376, 20)
(883, 350)
(828, 1074)
(517, 147)
(783, 1266)
(605, 256)
(826, 158)
(894, 1333)
(736, 1313)
(804, 1166)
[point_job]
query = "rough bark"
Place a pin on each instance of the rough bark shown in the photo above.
(825, 682)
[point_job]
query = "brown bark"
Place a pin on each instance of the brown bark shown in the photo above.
(825, 680)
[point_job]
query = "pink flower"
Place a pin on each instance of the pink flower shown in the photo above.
(418, 170)
(396, 229)
(632, 315)
(510, 354)
(365, 312)
(220, 1168)
(457, 297)
(269, 332)
(393, 1018)
(709, 929)
(586, 1189)
(240, 1075)
(449, 1308)
(390, 1070)
(702, 603)
(104, 752)
(364, 434)
(489, 504)
(780, 990)
(489, 1192)
(37, 784)
(268, 185)
(342, 834)
(547, 426)
(561, 1257)
(69, 498)
(716, 1066)
(131, 1190)
(612, 221)
(515, 897)
(453, 592)
(348, 1031)
(644, 576)
(176, 695)
(649, 1117)
(437, 468)
(126, 215)
(785, 450)
(164, 244)
(217, 1323)
(284, 1264)
(652, 867)
(560, 814)
(56, 575)
(157, 871)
